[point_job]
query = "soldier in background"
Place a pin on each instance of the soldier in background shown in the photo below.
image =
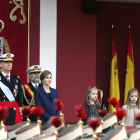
(10, 87)
(28, 90)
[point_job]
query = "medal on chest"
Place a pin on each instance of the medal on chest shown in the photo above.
(15, 90)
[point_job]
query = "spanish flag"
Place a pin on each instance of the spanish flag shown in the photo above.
(114, 77)
(129, 80)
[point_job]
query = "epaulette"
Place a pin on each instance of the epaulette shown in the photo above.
(18, 76)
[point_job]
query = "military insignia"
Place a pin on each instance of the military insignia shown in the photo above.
(15, 90)
(16, 87)
(35, 67)
(8, 56)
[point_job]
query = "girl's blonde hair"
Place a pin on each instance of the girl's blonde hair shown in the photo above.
(89, 90)
(128, 97)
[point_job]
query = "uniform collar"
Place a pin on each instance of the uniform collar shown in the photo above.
(35, 84)
(5, 74)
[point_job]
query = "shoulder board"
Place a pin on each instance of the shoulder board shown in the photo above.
(28, 89)
(18, 76)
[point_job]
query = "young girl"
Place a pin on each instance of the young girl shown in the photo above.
(132, 107)
(91, 103)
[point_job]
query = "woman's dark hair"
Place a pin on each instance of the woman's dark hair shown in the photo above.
(44, 74)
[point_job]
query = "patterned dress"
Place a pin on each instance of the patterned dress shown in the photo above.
(91, 111)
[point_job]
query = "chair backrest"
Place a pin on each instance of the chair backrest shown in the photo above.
(100, 96)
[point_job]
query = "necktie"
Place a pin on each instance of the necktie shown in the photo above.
(7, 77)
(36, 86)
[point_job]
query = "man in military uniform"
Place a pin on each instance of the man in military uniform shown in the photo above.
(28, 92)
(10, 86)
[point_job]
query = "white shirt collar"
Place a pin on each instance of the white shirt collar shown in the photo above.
(5, 74)
(35, 84)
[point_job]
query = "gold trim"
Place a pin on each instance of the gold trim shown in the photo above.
(7, 58)
(28, 89)
(34, 71)
(23, 90)
(29, 34)
(6, 45)
(32, 102)
(21, 6)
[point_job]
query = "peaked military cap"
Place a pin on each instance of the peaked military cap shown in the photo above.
(7, 57)
(33, 69)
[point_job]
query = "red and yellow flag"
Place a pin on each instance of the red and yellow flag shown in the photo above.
(129, 80)
(114, 77)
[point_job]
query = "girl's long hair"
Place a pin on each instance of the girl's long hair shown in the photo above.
(87, 101)
(128, 97)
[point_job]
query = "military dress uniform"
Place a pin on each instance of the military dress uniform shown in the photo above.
(28, 91)
(10, 91)
(28, 98)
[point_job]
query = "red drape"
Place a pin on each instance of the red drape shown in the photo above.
(17, 36)
(12, 104)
